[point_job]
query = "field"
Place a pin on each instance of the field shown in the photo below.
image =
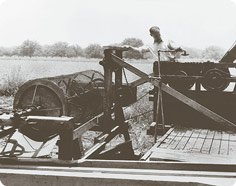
(15, 71)
(30, 68)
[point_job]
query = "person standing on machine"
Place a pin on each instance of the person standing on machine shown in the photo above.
(159, 44)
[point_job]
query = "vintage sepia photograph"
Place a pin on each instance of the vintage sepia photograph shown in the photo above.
(122, 93)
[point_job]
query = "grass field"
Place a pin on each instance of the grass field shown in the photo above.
(30, 68)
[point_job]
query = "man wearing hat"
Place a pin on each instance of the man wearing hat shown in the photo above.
(159, 44)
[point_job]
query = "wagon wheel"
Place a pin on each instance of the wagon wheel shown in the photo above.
(216, 79)
(51, 100)
(181, 84)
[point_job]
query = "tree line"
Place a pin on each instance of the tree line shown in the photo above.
(31, 48)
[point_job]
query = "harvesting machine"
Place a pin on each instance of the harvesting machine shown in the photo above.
(56, 111)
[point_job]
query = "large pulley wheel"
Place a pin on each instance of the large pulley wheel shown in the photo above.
(216, 80)
(51, 101)
(181, 84)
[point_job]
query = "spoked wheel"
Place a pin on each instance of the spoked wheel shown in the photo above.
(216, 79)
(51, 100)
(181, 84)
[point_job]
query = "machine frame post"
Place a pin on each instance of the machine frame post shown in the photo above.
(119, 114)
(107, 98)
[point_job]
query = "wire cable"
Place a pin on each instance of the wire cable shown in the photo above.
(139, 115)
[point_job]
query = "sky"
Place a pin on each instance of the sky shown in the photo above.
(192, 23)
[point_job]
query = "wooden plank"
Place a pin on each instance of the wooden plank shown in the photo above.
(218, 135)
(189, 132)
(115, 170)
(158, 143)
(186, 133)
(166, 142)
(207, 145)
(182, 132)
(224, 147)
(225, 136)
(232, 148)
(191, 142)
(185, 156)
(198, 145)
(203, 133)
(77, 133)
(108, 91)
(50, 118)
(179, 133)
(160, 165)
(116, 177)
(182, 143)
(175, 132)
(230, 55)
(200, 141)
(210, 134)
(7, 119)
(157, 165)
(130, 67)
(196, 133)
(110, 170)
(139, 81)
(174, 142)
(208, 142)
(232, 137)
(93, 150)
(215, 148)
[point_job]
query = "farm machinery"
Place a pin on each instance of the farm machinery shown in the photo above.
(57, 111)
(67, 106)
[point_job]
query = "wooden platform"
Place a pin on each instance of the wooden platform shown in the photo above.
(194, 145)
